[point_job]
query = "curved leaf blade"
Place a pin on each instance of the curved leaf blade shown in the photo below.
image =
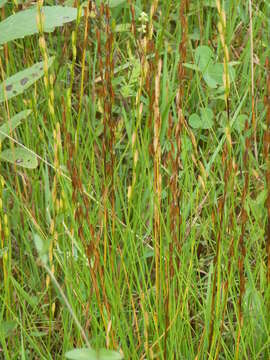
(81, 354)
(20, 157)
(104, 354)
(22, 80)
(11, 124)
(91, 354)
(24, 23)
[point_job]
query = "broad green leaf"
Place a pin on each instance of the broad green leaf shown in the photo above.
(212, 72)
(2, 3)
(112, 3)
(213, 75)
(22, 80)
(91, 354)
(203, 57)
(240, 122)
(11, 124)
(24, 23)
(115, 3)
(205, 121)
(207, 118)
(20, 157)
(191, 66)
(195, 121)
(7, 327)
(42, 249)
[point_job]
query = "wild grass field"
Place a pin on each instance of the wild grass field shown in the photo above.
(135, 179)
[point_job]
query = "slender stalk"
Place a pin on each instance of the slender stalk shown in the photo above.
(72, 313)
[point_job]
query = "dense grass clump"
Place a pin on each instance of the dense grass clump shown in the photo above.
(135, 180)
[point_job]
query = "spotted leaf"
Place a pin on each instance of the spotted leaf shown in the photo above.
(20, 157)
(19, 82)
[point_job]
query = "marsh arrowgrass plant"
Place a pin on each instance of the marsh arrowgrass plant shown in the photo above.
(142, 232)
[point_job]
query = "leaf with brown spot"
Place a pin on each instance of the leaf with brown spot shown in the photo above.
(20, 157)
(24, 81)
(21, 81)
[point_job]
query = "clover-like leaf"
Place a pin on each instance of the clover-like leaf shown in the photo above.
(213, 76)
(195, 121)
(207, 118)
(205, 121)
(203, 57)
(212, 72)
